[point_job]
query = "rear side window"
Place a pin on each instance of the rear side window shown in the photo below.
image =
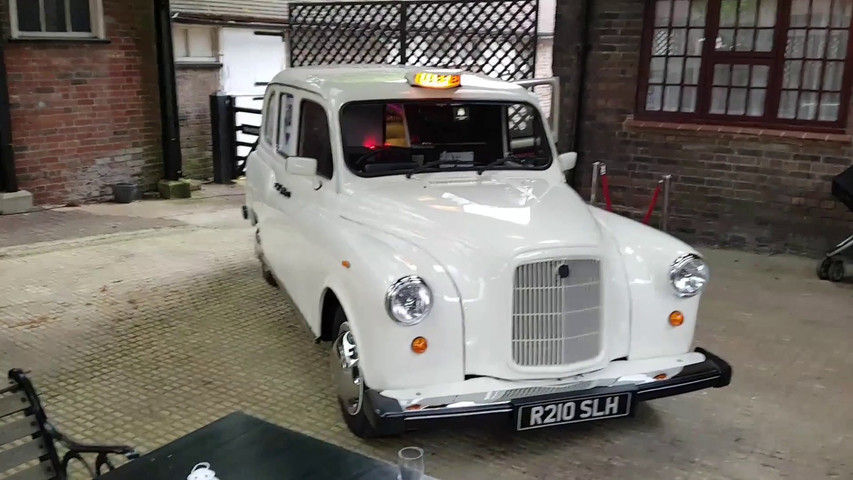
(285, 124)
(314, 141)
(269, 117)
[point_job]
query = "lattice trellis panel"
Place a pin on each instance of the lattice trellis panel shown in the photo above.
(336, 33)
(495, 37)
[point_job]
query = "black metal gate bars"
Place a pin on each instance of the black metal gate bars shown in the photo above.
(495, 37)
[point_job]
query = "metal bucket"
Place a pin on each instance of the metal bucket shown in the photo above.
(125, 192)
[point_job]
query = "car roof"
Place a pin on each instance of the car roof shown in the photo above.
(346, 83)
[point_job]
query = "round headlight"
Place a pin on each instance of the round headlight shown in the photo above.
(689, 274)
(409, 300)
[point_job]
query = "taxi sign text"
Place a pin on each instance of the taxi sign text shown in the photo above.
(437, 80)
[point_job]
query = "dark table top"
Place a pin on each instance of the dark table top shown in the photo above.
(240, 446)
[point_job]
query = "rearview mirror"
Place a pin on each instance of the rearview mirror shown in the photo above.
(303, 166)
(567, 161)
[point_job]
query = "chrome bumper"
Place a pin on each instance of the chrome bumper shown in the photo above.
(394, 415)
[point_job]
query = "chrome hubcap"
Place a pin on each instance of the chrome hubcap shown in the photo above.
(347, 376)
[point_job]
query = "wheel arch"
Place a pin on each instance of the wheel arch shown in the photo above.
(328, 307)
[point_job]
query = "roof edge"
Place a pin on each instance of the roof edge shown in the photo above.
(227, 20)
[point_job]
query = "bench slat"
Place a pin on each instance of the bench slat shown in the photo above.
(18, 429)
(22, 454)
(42, 471)
(10, 404)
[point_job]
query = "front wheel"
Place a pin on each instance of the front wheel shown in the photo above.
(349, 383)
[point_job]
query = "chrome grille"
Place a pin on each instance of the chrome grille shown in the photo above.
(556, 321)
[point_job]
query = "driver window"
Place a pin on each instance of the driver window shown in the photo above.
(523, 132)
(314, 141)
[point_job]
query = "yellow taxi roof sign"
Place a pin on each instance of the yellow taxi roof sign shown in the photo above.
(442, 79)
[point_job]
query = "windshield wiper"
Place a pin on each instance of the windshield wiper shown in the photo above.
(427, 166)
(503, 161)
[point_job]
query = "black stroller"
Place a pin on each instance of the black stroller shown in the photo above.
(832, 266)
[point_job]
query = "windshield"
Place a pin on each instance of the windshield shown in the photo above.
(406, 138)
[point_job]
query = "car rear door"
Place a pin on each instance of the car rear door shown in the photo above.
(274, 223)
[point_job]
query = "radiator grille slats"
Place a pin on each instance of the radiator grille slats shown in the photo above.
(556, 321)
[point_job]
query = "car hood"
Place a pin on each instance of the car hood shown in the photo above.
(500, 218)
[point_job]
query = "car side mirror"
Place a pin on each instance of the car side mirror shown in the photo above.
(303, 166)
(567, 161)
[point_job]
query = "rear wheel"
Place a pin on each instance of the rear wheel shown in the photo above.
(266, 272)
(823, 268)
(349, 383)
(836, 271)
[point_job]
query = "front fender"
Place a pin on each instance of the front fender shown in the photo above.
(647, 255)
(386, 359)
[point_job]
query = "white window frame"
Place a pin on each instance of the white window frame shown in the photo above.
(96, 12)
(181, 32)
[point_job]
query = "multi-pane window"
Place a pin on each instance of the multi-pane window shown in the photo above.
(747, 61)
(56, 18)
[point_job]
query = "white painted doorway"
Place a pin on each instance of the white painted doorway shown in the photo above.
(249, 59)
(249, 62)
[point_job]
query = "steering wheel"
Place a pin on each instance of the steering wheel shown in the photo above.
(367, 156)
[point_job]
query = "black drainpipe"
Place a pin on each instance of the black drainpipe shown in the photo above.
(170, 129)
(585, 49)
(8, 180)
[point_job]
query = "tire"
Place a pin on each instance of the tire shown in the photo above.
(267, 274)
(836, 271)
(823, 268)
(355, 418)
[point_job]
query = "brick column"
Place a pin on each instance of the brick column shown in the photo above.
(568, 48)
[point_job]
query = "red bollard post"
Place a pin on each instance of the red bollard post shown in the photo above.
(605, 187)
(655, 195)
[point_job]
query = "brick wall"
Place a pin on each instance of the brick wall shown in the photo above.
(755, 190)
(195, 84)
(86, 115)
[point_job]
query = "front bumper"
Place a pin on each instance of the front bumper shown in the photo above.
(390, 415)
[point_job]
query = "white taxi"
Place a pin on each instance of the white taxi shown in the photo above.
(420, 221)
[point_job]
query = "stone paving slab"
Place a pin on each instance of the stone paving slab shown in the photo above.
(143, 338)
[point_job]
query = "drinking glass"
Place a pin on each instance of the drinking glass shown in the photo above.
(411, 463)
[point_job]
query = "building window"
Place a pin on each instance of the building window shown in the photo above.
(769, 62)
(195, 44)
(57, 18)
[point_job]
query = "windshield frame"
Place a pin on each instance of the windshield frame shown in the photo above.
(538, 123)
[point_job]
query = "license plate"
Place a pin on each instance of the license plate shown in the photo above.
(553, 412)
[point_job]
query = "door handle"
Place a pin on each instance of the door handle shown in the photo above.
(282, 190)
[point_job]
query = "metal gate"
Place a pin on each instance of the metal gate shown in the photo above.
(495, 37)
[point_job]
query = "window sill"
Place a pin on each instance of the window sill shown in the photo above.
(196, 65)
(706, 129)
(59, 40)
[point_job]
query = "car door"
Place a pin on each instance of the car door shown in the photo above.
(312, 201)
(276, 225)
(259, 162)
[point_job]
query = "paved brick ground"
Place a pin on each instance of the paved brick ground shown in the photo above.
(50, 225)
(143, 337)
